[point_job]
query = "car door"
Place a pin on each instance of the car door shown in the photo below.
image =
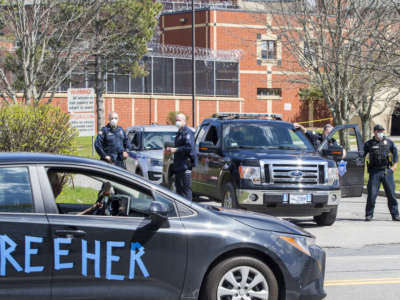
(200, 172)
(25, 252)
(122, 256)
(215, 160)
(351, 166)
(132, 160)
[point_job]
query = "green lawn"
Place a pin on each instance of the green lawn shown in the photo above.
(85, 147)
(79, 195)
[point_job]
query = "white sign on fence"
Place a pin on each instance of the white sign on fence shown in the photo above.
(84, 123)
(80, 100)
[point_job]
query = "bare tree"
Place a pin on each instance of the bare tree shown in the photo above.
(50, 41)
(338, 45)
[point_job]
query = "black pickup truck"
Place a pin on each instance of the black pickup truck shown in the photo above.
(259, 163)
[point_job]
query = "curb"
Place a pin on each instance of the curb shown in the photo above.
(381, 193)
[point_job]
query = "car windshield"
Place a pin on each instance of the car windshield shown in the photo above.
(264, 136)
(153, 140)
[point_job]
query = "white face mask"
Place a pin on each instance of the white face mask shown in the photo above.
(114, 122)
(179, 124)
(380, 135)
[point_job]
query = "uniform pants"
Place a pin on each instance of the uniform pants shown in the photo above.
(183, 183)
(374, 182)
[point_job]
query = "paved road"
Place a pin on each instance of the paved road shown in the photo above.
(363, 258)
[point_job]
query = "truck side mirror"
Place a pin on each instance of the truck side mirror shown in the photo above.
(336, 152)
(208, 147)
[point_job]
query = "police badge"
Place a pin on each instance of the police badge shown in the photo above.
(342, 167)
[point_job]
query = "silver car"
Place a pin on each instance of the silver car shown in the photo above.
(146, 154)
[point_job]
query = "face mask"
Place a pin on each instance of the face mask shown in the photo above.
(179, 124)
(380, 135)
(114, 122)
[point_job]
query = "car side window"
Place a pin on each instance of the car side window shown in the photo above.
(133, 136)
(212, 135)
(200, 134)
(93, 194)
(15, 190)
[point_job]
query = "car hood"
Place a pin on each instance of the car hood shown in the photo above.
(155, 154)
(244, 154)
(261, 221)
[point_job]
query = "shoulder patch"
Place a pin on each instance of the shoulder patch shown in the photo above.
(100, 132)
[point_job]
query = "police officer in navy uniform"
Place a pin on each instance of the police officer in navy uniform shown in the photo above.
(184, 157)
(383, 160)
(112, 143)
(317, 138)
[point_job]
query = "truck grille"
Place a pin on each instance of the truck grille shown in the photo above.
(290, 173)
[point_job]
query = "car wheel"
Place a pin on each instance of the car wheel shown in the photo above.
(241, 278)
(172, 185)
(229, 196)
(326, 218)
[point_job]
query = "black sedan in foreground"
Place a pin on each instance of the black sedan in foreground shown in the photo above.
(74, 228)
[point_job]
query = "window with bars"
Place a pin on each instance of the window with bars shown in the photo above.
(263, 92)
(268, 49)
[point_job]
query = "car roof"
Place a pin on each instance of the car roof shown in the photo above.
(154, 128)
(272, 122)
(40, 158)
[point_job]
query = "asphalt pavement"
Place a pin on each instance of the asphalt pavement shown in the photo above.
(363, 258)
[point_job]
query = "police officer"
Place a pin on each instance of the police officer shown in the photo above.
(184, 157)
(317, 138)
(112, 143)
(383, 160)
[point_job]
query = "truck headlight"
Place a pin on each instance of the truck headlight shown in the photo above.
(301, 243)
(333, 176)
(252, 173)
(155, 162)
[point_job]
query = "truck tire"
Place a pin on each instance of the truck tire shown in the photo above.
(259, 280)
(326, 218)
(229, 196)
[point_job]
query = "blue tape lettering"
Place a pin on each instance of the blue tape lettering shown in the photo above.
(93, 256)
(29, 251)
(111, 258)
(136, 257)
(5, 255)
(58, 252)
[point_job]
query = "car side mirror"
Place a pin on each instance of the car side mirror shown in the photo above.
(208, 147)
(158, 212)
(336, 152)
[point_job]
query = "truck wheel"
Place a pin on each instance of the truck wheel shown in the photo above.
(229, 196)
(171, 183)
(241, 277)
(326, 218)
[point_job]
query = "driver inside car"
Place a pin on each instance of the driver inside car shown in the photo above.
(103, 205)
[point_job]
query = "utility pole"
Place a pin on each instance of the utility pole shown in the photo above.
(193, 63)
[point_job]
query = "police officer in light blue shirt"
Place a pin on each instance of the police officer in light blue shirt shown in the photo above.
(184, 157)
(383, 158)
(112, 143)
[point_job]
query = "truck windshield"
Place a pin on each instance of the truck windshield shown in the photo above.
(155, 140)
(264, 136)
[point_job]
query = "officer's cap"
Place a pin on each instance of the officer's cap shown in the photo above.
(378, 127)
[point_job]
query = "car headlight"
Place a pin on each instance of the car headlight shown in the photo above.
(155, 162)
(301, 243)
(333, 176)
(252, 173)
